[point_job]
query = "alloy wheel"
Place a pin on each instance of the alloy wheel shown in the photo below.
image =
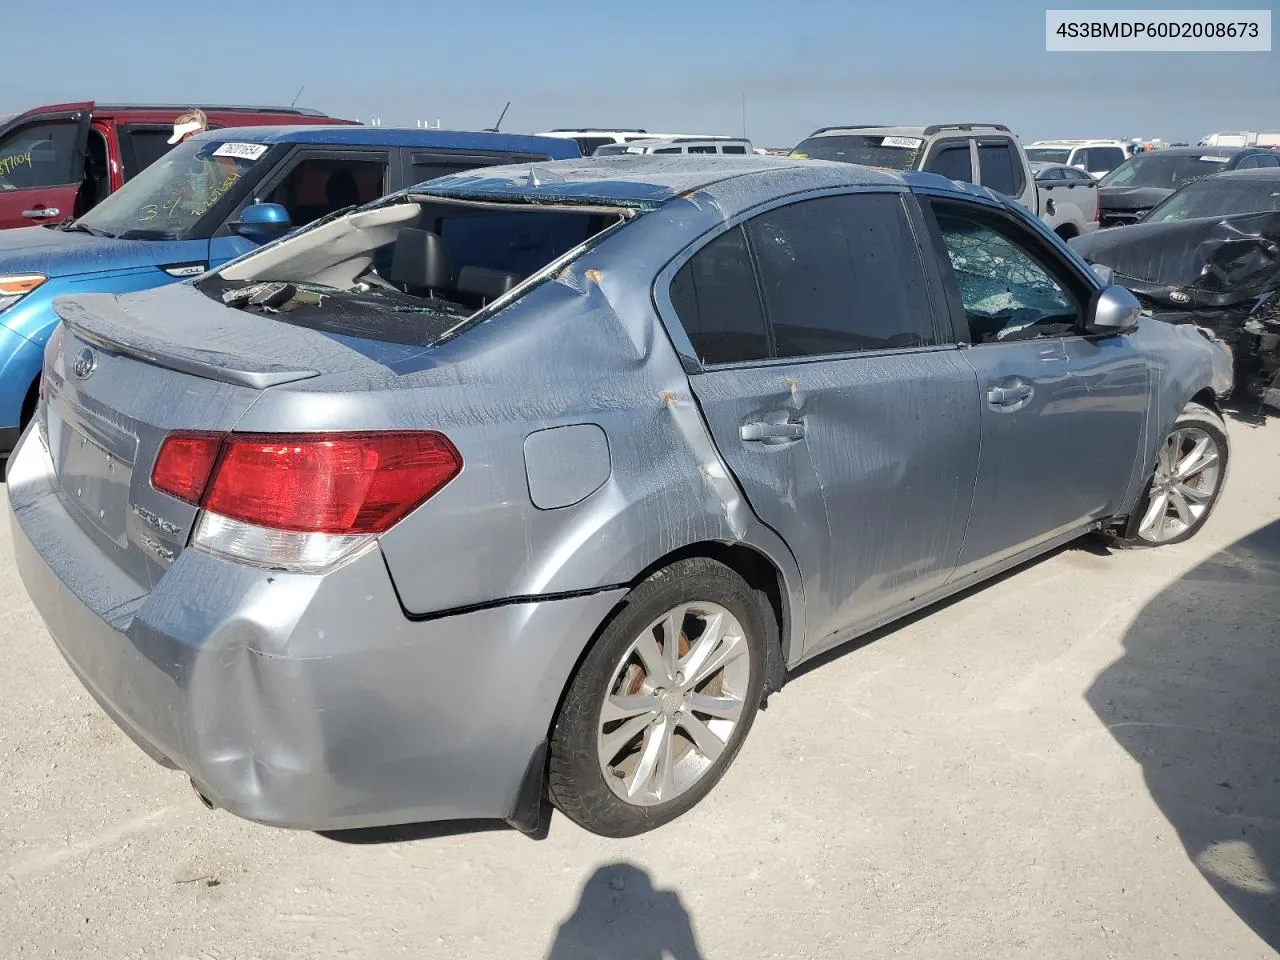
(1188, 473)
(673, 702)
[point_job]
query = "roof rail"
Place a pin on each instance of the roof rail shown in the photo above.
(850, 126)
(716, 137)
(220, 107)
(602, 129)
(939, 127)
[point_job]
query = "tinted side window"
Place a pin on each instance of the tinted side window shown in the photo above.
(427, 168)
(40, 155)
(588, 144)
(142, 146)
(952, 162)
(317, 186)
(1249, 163)
(734, 148)
(703, 148)
(1053, 173)
(715, 296)
(1268, 161)
(1000, 167)
(841, 274)
(669, 150)
(1006, 292)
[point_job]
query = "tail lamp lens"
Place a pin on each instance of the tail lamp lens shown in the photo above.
(292, 500)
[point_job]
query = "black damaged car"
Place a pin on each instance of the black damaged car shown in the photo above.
(1210, 255)
(1142, 182)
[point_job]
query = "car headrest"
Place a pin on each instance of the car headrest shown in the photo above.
(486, 283)
(420, 260)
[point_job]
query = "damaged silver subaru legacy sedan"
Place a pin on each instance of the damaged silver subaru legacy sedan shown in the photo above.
(533, 482)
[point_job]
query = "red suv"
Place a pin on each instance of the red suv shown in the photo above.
(58, 162)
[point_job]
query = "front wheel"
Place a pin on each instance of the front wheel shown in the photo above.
(662, 702)
(1191, 466)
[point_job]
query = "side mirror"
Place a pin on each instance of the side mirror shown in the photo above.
(261, 222)
(1115, 311)
(1103, 273)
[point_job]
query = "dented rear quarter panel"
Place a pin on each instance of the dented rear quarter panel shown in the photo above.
(585, 347)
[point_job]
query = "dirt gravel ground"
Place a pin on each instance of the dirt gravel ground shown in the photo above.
(1079, 760)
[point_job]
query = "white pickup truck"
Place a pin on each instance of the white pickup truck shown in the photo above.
(983, 153)
(1068, 198)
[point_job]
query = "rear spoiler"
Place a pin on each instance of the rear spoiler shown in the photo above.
(99, 319)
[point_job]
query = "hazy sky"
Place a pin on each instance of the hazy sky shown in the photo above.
(661, 65)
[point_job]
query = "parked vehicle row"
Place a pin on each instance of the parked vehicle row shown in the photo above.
(535, 480)
(1209, 254)
(206, 201)
(1095, 157)
(1131, 190)
(60, 161)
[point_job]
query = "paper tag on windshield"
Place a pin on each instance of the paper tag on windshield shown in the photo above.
(1216, 159)
(907, 143)
(245, 151)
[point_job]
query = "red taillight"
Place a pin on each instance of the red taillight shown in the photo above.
(334, 483)
(184, 463)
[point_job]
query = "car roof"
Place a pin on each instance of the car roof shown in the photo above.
(397, 137)
(1203, 151)
(681, 140)
(1255, 173)
(206, 107)
(906, 131)
(1076, 143)
(646, 179)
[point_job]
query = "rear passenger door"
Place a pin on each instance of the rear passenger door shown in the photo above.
(1001, 169)
(142, 144)
(952, 158)
(837, 400)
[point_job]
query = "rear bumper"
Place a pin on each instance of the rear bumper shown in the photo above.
(302, 701)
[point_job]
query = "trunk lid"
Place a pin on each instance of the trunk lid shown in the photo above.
(125, 372)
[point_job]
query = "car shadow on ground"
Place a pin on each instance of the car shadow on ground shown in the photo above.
(622, 916)
(1090, 543)
(1195, 699)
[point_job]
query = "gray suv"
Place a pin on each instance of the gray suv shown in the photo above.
(983, 153)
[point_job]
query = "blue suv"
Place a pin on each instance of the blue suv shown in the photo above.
(212, 198)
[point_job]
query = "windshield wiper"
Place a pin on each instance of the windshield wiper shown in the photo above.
(75, 226)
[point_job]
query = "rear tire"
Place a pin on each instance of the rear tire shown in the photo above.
(637, 743)
(1186, 484)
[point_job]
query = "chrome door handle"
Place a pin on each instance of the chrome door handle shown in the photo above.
(41, 213)
(1008, 396)
(762, 432)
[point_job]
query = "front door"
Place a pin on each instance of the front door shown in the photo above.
(1062, 414)
(42, 164)
(843, 409)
